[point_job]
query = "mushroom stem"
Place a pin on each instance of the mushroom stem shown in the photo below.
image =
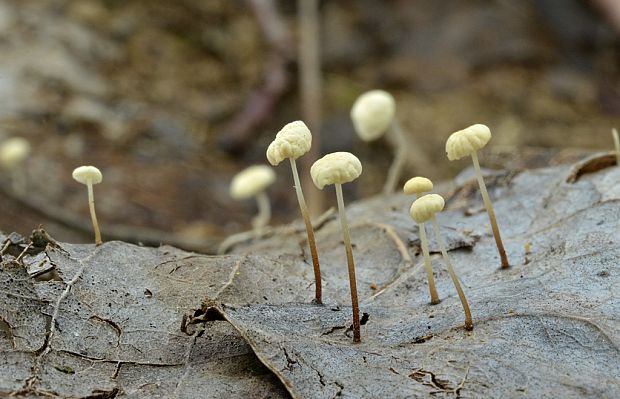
(400, 156)
(614, 133)
(93, 215)
(264, 212)
(310, 232)
(490, 212)
(469, 324)
(347, 244)
(427, 265)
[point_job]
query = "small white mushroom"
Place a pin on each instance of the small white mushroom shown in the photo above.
(614, 133)
(252, 182)
(293, 141)
(467, 142)
(417, 185)
(424, 209)
(338, 168)
(421, 211)
(13, 152)
(373, 114)
(90, 175)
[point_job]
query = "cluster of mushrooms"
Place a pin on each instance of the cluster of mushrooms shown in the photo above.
(373, 115)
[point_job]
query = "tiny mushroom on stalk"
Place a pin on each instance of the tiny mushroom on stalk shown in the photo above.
(338, 168)
(90, 175)
(421, 212)
(417, 185)
(467, 142)
(293, 141)
(423, 209)
(252, 182)
(13, 152)
(373, 114)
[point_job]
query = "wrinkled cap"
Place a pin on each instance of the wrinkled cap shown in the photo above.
(251, 181)
(467, 141)
(335, 168)
(425, 207)
(417, 185)
(87, 174)
(13, 151)
(372, 113)
(292, 141)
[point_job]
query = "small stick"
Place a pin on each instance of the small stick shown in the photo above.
(614, 133)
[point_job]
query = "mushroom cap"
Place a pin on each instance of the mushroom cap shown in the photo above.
(87, 174)
(425, 207)
(251, 181)
(467, 141)
(13, 151)
(335, 168)
(372, 113)
(417, 185)
(292, 141)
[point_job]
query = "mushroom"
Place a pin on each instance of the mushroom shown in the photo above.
(252, 182)
(417, 185)
(423, 209)
(420, 213)
(13, 152)
(614, 133)
(338, 168)
(90, 175)
(293, 141)
(467, 142)
(373, 114)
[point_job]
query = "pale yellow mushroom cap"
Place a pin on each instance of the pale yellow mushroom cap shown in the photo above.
(425, 207)
(251, 181)
(87, 174)
(292, 141)
(372, 113)
(467, 141)
(335, 168)
(13, 151)
(417, 185)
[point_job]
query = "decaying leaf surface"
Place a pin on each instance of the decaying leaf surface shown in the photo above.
(547, 327)
(126, 321)
(113, 322)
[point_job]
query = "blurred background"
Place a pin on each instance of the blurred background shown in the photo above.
(170, 99)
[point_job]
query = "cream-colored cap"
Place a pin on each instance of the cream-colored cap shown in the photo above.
(372, 113)
(417, 185)
(87, 175)
(251, 181)
(13, 151)
(292, 141)
(335, 168)
(467, 141)
(425, 207)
